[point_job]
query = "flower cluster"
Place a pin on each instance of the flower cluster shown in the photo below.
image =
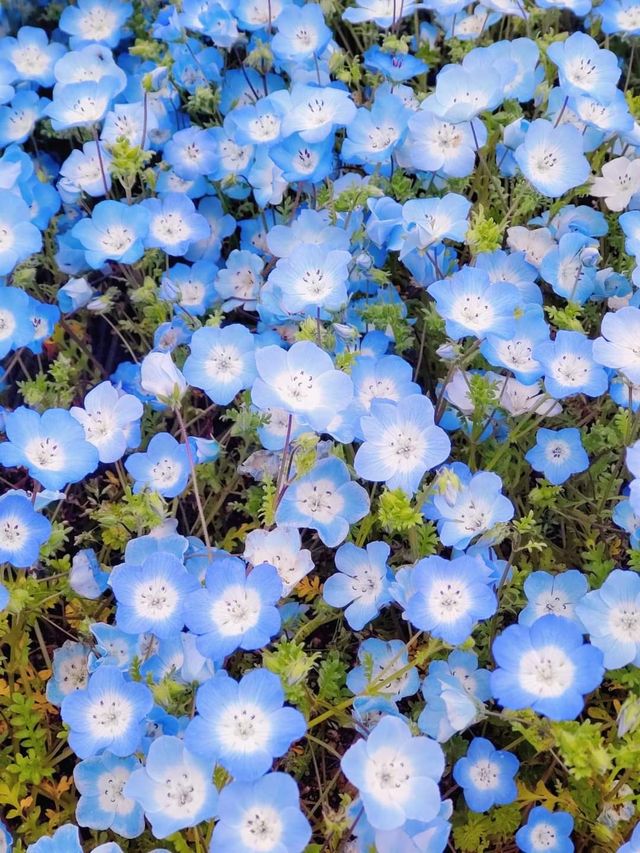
(319, 426)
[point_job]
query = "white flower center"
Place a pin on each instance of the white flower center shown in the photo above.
(236, 611)
(110, 716)
(546, 672)
(484, 775)
(261, 829)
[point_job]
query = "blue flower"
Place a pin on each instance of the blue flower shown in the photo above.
(86, 577)
(235, 609)
(617, 346)
(111, 421)
(325, 500)
(558, 454)
(152, 597)
(303, 381)
(401, 443)
(243, 725)
(102, 805)
(569, 366)
(361, 584)
(22, 530)
(108, 715)
(611, 617)
(449, 597)
(472, 305)
(114, 232)
(569, 268)
(546, 667)
(19, 238)
(374, 133)
(302, 33)
(394, 65)
(261, 817)
(633, 844)
(174, 788)
(455, 691)
(281, 548)
(486, 775)
(81, 104)
(471, 509)
(462, 93)
(95, 21)
(222, 361)
(50, 446)
(173, 224)
(516, 352)
(66, 839)
(15, 328)
(551, 157)
(379, 661)
(315, 111)
(163, 467)
(584, 68)
(70, 671)
(437, 145)
(312, 279)
(396, 774)
(546, 832)
(556, 594)
(32, 56)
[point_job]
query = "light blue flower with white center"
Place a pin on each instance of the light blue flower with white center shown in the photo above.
(95, 22)
(174, 224)
(303, 381)
(115, 231)
(325, 500)
(611, 617)
(312, 279)
(102, 805)
(113, 647)
(379, 661)
(86, 576)
(556, 594)
(396, 774)
(569, 268)
(516, 352)
(434, 144)
(243, 724)
(75, 294)
(374, 133)
(617, 345)
(160, 377)
(302, 33)
(18, 120)
(461, 93)
(546, 667)
(281, 548)
(32, 55)
(162, 468)
(584, 68)
(401, 443)
(81, 104)
(395, 65)
(235, 609)
(486, 775)
(546, 832)
(385, 378)
(261, 817)
(191, 152)
(259, 123)
(361, 584)
(455, 691)
(309, 227)
(377, 11)
(570, 367)
(174, 788)
(19, 237)
(70, 671)
(66, 839)
(551, 158)
(51, 446)
(472, 306)
(429, 221)
(190, 287)
(222, 361)
(315, 111)
(513, 268)
(15, 328)
(303, 161)
(87, 170)
(107, 715)
(23, 530)
(240, 280)
(470, 510)
(450, 597)
(558, 454)
(153, 596)
(111, 421)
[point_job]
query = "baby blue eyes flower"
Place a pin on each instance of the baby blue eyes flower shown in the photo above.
(312, 279)
(243, 725)
(546, 667)
(546, 832)
(558, 454)
(115, 232)
(361, 583)
(111, 421)
(325, 500)
(619, 346)
(152, 597)
(455, 691)
(174, 788)
(163, 467)
(449, 597)
(102, 805)
(553, 594)
(234, 609)
(611, 616)
(396, 774)
(222, 361)
(19, 238)
(486, 775)
(51, 446)
(108, 715)
(401, 443)
(22, 531)
(379, 661)
(95, 21)
(173, 224)
(569, 366)
(261, 817)
(66, 839)
(584, 68)
(551, 158)
(302, 33)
